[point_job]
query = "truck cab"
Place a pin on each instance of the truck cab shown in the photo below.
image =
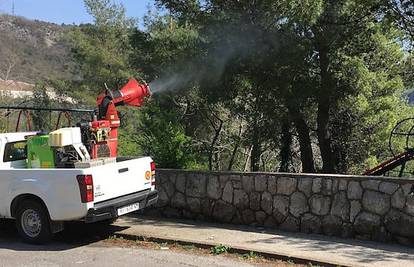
(13, 150)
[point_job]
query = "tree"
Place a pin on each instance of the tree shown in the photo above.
(163, 138)
(41, 119)
(102, 50)
(257, 85)
(327, 37)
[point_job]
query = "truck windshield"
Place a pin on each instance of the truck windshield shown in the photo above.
(15, 151)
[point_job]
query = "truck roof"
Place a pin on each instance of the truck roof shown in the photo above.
(15, 136)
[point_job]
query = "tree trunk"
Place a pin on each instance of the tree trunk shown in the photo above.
(213, 143)
(285, 151)
(236, 147)
(249, 154)
(256, 151)
(324, 105)
(306, 153)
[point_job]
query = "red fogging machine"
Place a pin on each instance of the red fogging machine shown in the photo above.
(101, 135)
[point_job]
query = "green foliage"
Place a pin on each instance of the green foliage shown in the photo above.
(127, 133)
(41, 119)
(161, 136)
(250, 256)
(290, 85)
(219, 249)
(102, 50)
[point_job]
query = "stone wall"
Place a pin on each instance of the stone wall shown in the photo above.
(376, 208)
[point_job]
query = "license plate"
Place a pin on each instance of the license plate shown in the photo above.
(128, 209)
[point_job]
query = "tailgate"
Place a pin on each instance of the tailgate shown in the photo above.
(121, 178)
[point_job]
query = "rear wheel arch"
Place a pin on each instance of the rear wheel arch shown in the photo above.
(18, 200)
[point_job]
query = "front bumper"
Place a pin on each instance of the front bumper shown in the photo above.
(106, 210)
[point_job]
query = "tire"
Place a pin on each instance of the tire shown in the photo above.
(33, 222)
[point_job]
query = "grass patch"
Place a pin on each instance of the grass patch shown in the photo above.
(220, 249)
(250, 256)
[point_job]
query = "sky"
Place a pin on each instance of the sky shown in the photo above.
(66, 11)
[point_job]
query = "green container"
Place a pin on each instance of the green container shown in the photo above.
(39, 153)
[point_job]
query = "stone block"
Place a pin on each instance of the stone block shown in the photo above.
(248, 183)
(260, 217)
(180, 182)
(272, 184)
(310, 224)
(255, 201)
(409, 206)
(408, 188)
(298, 204)
(228, 192)
(223, 211)
(367, 223)
(305, 186)
(207, 207)
(355, 209)
(376, 202)
(223, 178)
(237, 184)
(354, 190)
(178, 201)
(194, 204)
(371, 184)
(163, 198)
(280, 206)
(267, 203)
(260, 183)
(248, 216)
(343, 185)
(286, 185)
(162, 177)
(317, 185)
(235, 177)
(169, 188)
(326, 187)
(335, 186)
(172, 177)
(398, 199)
(399, 223)
(320, 205)
(388, 187)
(214, 190)
(236, 181)
(340, 206)
(240, 199)
(332, 225)
(196, 185)
(162, 174)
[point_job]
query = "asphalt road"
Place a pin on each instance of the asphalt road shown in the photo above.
(80, 245)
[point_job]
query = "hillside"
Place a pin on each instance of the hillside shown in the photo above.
(32, 50)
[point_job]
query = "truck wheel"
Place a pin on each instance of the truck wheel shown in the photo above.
(33, 223)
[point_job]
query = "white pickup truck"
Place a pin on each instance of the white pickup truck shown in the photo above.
(40, 200)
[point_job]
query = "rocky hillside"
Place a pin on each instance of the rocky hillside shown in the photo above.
(32, 50)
